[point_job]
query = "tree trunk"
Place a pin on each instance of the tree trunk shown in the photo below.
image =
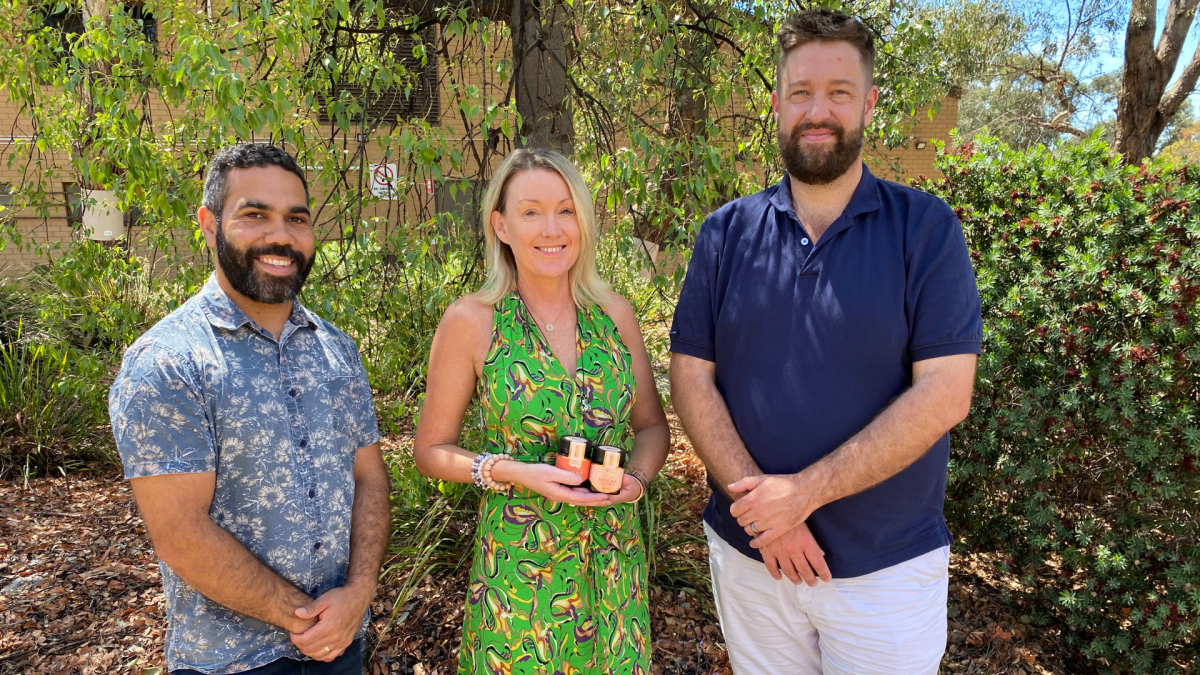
(541, 52)
(1144, 106)
(541, 47)
(95, 17)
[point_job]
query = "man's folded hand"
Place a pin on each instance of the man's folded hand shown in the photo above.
(797, 556)
(339, 615)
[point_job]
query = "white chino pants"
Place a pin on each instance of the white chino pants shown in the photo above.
(890, 622)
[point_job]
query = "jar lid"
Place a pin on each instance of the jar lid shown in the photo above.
(565, 443)
(599, 452)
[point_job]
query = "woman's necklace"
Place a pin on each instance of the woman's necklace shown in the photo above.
(548, 326)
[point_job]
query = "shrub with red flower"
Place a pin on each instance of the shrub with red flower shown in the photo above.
(1080, 458)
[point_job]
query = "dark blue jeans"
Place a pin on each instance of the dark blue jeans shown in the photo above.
(349, 663)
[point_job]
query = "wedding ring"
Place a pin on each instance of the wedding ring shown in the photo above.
(754, 530)
(327, 650)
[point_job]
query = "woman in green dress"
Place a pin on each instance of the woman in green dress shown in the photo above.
(558, 582)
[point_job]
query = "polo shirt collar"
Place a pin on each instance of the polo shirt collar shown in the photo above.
(864, 200)
(223, 312)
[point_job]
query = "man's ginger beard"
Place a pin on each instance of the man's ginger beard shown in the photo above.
(820, 166)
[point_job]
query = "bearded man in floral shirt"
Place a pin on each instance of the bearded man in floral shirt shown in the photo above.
(247, 431)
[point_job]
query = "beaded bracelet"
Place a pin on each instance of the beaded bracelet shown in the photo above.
(477, 469)
(486, 470)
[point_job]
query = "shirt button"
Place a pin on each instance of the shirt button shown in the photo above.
(292, 393)
(804, 242)
(304, 442)
(312, 493)
(317, 546)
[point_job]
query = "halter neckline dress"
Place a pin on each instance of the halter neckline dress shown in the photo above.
(555, 588)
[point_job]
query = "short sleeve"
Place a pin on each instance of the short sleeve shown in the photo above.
(159, 419)
(941, 297)
(364, 425)
(693, 328)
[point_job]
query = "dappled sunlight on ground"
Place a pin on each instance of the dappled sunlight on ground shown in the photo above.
(80, 592)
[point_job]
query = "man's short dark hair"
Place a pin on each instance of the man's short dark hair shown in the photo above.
(244, 156)
(825, 25)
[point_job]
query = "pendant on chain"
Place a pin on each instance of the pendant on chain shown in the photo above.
(550, 327)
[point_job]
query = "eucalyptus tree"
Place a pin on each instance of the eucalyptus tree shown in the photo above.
(1151, 96)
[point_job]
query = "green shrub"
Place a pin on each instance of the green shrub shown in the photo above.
(1080, 461)
(101, 299)
(51, 405)
(389, 295)
(18, 313)
(63, 328)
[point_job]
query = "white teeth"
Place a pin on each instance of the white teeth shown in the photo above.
(551, 249)
(278, 262)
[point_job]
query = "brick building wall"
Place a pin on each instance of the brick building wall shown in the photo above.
(416, 203)
(904, 163)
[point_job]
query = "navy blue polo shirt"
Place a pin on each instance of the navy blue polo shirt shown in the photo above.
(811, 342)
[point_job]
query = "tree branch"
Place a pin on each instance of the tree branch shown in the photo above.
(1055, 125)
(1183, 87)
(1175, 30)
(740, 52)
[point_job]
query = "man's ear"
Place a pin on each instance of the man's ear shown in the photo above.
(499, 227)
(872, 99)
(208, 226)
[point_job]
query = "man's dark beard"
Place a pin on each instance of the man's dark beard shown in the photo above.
(819, 166)
(238, 266)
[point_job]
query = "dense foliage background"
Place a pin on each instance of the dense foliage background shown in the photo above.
(1080, 461)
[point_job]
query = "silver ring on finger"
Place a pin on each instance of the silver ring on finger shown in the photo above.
(754, 529)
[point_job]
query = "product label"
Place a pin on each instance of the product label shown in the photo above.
(578, 454)
(576, 460)
(606, 477)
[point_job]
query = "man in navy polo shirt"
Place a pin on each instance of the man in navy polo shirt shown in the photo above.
(824, 344)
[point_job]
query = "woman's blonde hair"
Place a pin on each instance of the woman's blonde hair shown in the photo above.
(587, 288)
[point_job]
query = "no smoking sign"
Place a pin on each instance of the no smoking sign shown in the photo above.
(383, 181)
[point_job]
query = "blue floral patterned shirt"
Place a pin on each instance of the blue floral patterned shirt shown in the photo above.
(280, 422)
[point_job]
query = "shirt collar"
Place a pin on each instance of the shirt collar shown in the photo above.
(223, 312)
(865, 198)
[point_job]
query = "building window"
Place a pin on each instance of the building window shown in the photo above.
(74, 204)
(6, 194)
(415, 100)
(67, 22)
(139, 12)
(133, 216)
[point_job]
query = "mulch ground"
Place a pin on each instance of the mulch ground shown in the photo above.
(80, 592)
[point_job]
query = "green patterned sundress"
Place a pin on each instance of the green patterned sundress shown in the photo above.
(555, 589)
